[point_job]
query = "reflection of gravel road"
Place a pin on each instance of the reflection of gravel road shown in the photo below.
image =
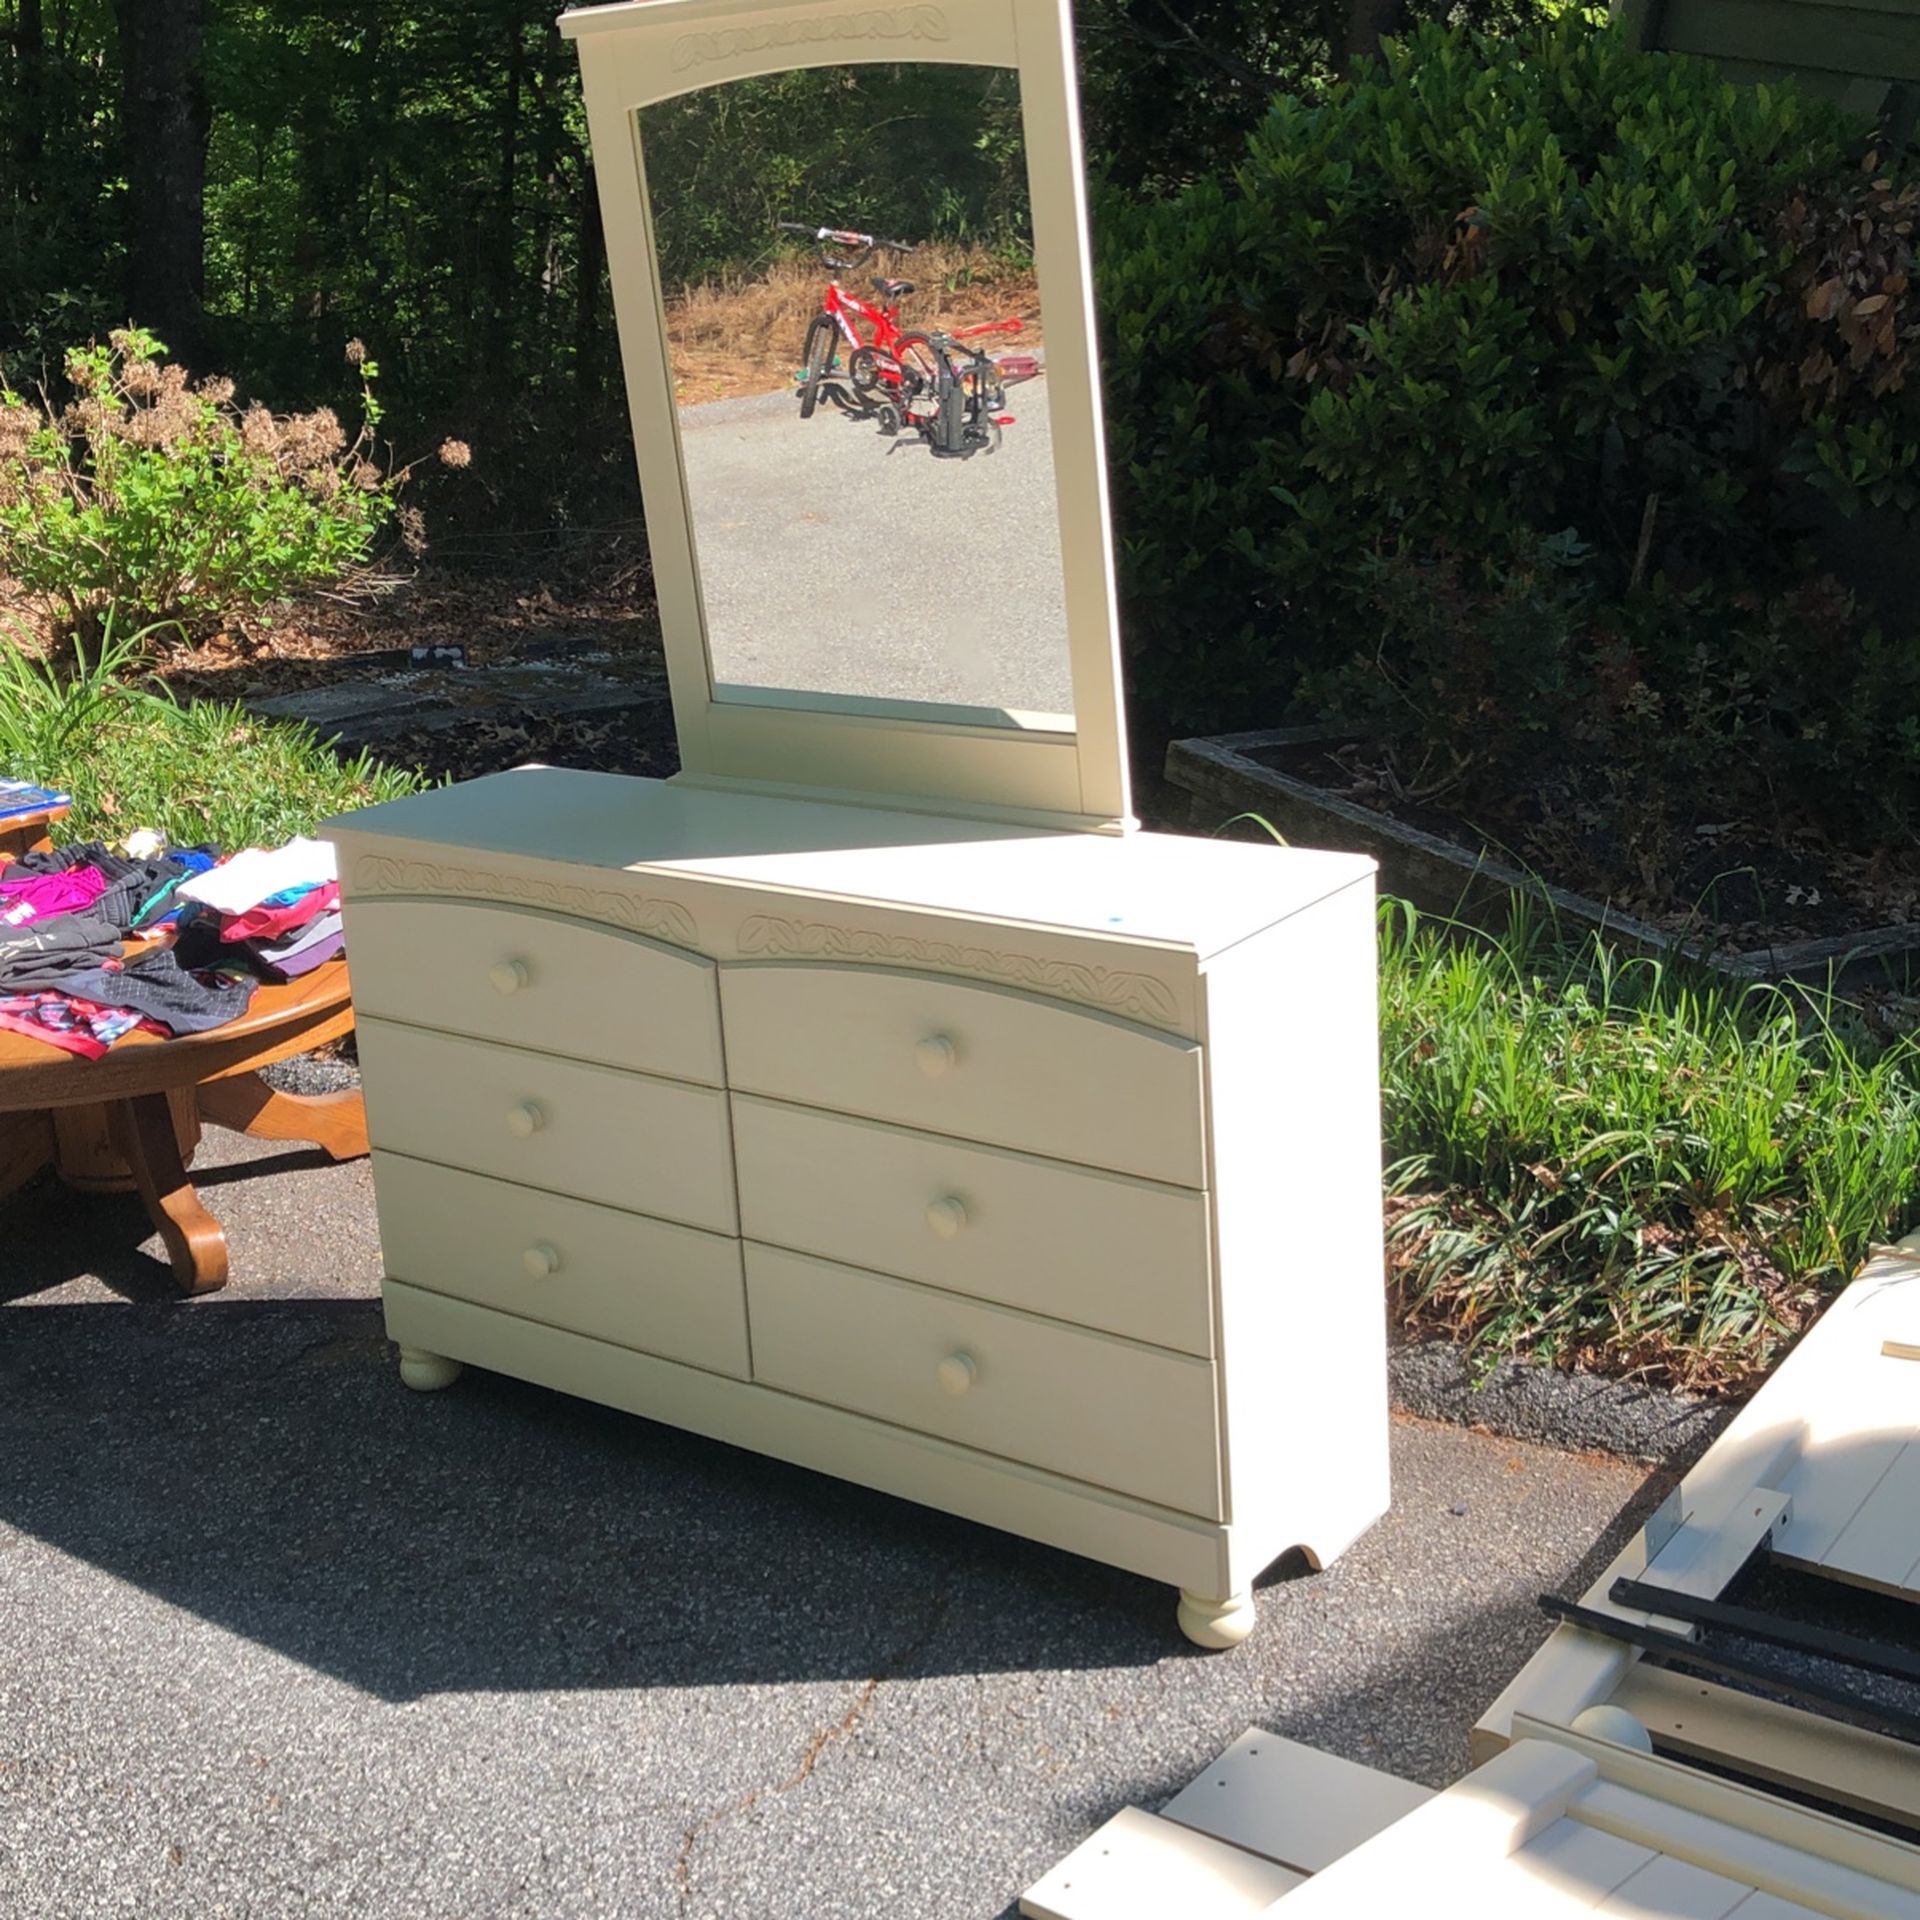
(834, 560)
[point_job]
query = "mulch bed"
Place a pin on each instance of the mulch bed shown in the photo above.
(588, 596)
(1735, 884)
(638, 740)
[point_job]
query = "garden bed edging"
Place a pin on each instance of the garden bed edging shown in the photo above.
(1222, 778)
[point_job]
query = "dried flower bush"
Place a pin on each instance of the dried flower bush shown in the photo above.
(172, 502)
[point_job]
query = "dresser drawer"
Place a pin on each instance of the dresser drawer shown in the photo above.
(538, 980)
(986, 1063)
(664, 1289)
(1103, 1249)
(1136, 1419)
(652, 1146)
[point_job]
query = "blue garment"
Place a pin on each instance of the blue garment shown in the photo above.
(288, 895)
(162, 910)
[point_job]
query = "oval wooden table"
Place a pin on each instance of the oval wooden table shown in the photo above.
(132, 1118)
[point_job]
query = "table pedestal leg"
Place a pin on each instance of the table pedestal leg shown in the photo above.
(86, 1158)
(26, 1145)
(143, 1135)
(335, 1122)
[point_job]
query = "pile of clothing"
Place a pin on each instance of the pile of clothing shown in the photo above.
(219, 928)
(277, 913)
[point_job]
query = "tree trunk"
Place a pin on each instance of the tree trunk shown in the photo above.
(1368, 23)
(504, 252)
(588, 320)
(164, 123)
(30, 68)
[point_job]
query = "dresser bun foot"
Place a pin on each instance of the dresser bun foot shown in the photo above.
(427, 1372)
(1217, 1623)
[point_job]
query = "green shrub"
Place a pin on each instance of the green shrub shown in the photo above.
(132, 757)
(1600, 1161)
(1563, 332)
(170, 501)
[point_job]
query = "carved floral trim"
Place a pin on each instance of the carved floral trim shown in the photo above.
(662, 919)
(1137, 995)
(870, 23)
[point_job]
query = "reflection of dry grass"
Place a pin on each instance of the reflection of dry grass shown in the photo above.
(745, 336)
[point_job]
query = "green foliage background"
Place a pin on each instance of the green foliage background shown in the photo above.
(1496, 402)
(131, 757)
(415, 173)
(1466, 400)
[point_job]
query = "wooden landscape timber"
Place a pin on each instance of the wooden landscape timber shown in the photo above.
(1226, 779)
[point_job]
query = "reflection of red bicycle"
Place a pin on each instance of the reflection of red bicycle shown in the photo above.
(870, 364)
(874, 370)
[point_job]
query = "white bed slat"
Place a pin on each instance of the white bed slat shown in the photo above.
(1669, 1889)
(1881, 1543)
(1859, 1420)
(1582, 1861)
(1140, 1867)
(1292, 1803)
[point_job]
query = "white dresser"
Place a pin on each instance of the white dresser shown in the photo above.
(872, 1094)
(1030, 1175)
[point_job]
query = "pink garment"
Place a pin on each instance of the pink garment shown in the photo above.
(76, 1026)
(39, 896)
(321, 927)
(267, 923)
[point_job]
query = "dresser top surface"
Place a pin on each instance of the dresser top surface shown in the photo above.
(1166, 889)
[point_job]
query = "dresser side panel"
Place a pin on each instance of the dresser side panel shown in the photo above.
(1292, 1056)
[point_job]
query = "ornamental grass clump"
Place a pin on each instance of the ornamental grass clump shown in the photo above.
(132, 757)
(171, 501)
(1601, 1161)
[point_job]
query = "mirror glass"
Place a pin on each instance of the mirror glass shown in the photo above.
(859, 369)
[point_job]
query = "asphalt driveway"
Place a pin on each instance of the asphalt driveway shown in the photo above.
(281, 1638)
(834, 560)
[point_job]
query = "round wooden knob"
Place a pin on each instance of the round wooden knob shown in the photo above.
(957, 1372)
(946, 1217)
(935, 1054)
(541, 1260)
(525, 1120)
(508, 976)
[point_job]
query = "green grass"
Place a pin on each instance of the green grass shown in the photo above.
(1603, 1161)
(132, 757)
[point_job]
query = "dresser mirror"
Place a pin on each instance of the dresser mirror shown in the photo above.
(879, 540)
(860, 396)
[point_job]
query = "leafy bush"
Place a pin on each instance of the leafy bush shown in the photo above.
(1165, 92)
(1601, 1161)
(172, 502)
(1529, 332)
(132, 757)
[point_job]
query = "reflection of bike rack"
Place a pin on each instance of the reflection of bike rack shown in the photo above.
(959, 412)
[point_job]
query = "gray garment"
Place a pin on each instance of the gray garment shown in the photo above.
(161, 988)
(37, 958)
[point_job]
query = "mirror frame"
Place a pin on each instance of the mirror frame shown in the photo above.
(638, 52)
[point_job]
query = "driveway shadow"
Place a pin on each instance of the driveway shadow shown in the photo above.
(52, 1235)
(259, 1464)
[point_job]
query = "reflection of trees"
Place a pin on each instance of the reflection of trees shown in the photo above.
(913, 151)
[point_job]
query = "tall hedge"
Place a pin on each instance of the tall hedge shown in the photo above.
(1493, 401)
